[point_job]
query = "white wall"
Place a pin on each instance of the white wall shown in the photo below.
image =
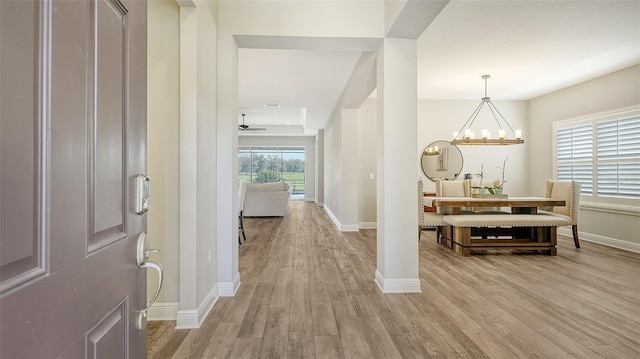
(438, 119)
(319, 140)
(181, 133)
(309, 144)
(332, 165)
(609, 92)
(349, 171)
(163, 113)
(367, 145)
(206, 140)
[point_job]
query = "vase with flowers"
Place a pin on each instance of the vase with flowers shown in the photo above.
(497, 186)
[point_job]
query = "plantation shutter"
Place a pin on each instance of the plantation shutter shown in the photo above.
(618, 167)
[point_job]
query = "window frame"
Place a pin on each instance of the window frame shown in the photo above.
(594, 200)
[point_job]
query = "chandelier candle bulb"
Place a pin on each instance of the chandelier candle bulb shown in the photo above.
(485, 133)
(518, 133)
(467, 133)
(502, 134)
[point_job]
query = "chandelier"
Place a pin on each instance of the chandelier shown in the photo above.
(431, 151)
(466, 136)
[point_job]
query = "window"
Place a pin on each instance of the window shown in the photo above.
(602, 152)
(271, 164)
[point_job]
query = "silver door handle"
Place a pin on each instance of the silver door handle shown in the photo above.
(143, 262)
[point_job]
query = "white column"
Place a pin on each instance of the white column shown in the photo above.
(227, 164)
(188, 167)
(397, 262)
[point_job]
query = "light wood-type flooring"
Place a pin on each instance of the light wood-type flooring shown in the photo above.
(308, 291)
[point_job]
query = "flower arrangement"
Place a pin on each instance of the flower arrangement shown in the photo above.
(500, 184)
(497, 185)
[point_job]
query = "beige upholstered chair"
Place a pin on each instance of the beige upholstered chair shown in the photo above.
(427, 219)
(569, 191)
(453, 188)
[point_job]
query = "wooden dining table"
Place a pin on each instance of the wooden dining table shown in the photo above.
(494, 236)
(524, 205)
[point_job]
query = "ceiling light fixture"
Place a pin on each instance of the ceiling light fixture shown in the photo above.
(466, 136)
(271, 105)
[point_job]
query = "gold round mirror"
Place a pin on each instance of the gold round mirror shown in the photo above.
(441, 160)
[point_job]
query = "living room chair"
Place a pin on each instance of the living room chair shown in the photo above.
(569, 191)
(242, 192)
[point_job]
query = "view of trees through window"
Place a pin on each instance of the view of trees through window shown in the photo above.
(271, 164)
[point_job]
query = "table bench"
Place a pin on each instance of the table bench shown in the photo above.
(530, 232)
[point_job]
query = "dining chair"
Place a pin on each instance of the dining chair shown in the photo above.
(242, 191)
(428, 219)
(453, 188)
(569, 191)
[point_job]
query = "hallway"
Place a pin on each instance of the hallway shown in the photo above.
(308, 290)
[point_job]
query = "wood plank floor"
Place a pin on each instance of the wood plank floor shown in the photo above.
(308, 292)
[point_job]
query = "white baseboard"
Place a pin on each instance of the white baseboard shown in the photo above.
(163, 311)
(397, 285)
(606, 241)
(333, 218)
(192, 319)
(349, 228)
(341, 227)
(229, 289)
(368, 225)
(310, 199)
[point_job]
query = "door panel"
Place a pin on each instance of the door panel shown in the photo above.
(108, 120)
(108, 338)
(73, 106)
(20, 141)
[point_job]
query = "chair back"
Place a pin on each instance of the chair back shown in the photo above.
(453, 188)
(420, 202)
(242, 192)
(569, 191)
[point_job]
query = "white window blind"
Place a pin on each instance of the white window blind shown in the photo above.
(602, 153)
(575, 155)
(619, 157)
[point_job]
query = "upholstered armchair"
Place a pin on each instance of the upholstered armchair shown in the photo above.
(569, 191)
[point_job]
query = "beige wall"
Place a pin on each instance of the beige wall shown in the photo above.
(163, 127)
(609, 92)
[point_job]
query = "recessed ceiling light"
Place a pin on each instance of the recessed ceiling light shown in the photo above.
(271, 105)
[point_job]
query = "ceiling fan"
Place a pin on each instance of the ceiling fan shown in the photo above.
(244, 127)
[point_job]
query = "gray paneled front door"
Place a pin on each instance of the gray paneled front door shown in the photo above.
(72, 139)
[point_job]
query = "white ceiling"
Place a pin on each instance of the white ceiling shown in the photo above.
(529, 48)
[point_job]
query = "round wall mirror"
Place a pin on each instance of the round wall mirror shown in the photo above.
(441, 160)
